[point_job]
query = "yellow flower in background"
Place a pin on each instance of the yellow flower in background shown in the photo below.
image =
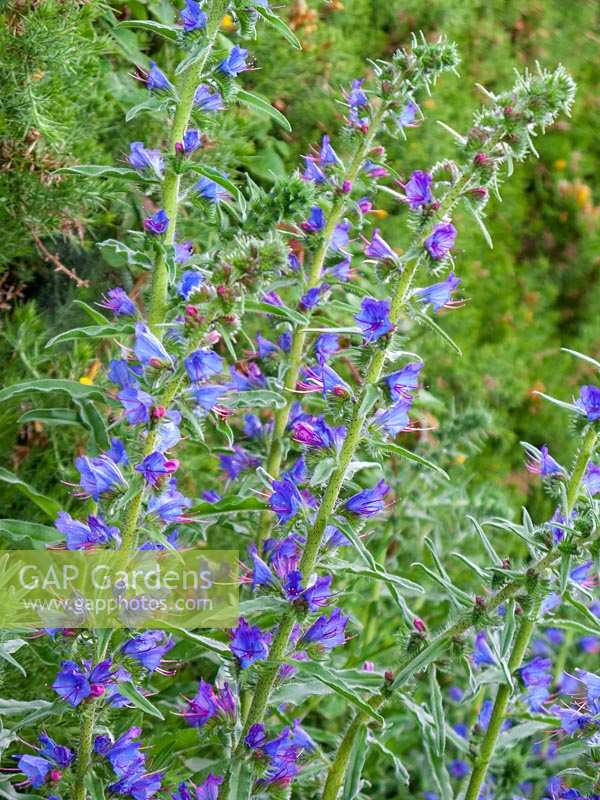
(227, 23)
(88, 378)
(560, 164)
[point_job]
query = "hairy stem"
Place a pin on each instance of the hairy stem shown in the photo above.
(186, 89)
(84, 755)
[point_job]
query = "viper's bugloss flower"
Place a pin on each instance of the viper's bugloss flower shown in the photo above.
(589, 401)
(148, 349)
(341, 270)
(35, 768)
(458, 768)
(543, 464)
(190, 282)
(170, 505)
(456, 694)
(407, 117)
(368, 502)
(373, 319)
(207, 100)
(155, 467)
(327, 632)
(192, 16)
(61, 755)
(327, 345)
(99, 475)
(262, 575)
(441, 241)
(285, 500)
(537, 678)
(405, 380)
(315, 221)
(591, 479)
(322, 378)
(265, 348)
(142, 158)
(117, 452)
(39, 769)
(317, 433)
(591, 681)
(571, 721)
(148, 648)
(212, 191)
(251, 378)
(318, 594)
(395, 418)
(374, 170)
(249, 643)
(237, 462)
(311, 298)
(183, 251)
(83, 536)
(482, 655)
(156, 80)
(327, 155)
(583, 574)
(137, 404)
(157, 223)
(439, 294)
(117, 301)
(312, 171)
(418, 190)
(124, 754)
(340, 237)
(333, 537)
(378, 248)
(235, 62)
(74, 683)
(557, 531)
(192, 139)
(209, 788)
(356, 98)
(364, 205)
(140, 786)
(256, 736)
(123, 374)
(203, 364)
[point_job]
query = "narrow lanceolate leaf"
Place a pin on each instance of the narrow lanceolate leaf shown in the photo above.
(258, 103)
(328, 677)
(426, 320)
(214, 645)
(399, 769)
(197, 53)
(228, 505)
(258, 398)
(92, 312)
(437, 710)
(217, 177)
(137, 699)
(353, 782)
(107, 331)
(47, 504)
(277, 311)
(169, 32)
(76, 390)
(50, 416)
(102, 171)
(421, 661)
(409, 455)
(37, 534)
(279, 25)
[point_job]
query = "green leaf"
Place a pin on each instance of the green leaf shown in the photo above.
(93, 421)
(47, 504)
(200, 50)
(129, 691)
(277, 311)
(96, 315)
(150, 104)
(279, 25)
(107, 331)
(437, 710)
(427, 320)
(214, 175)
(262, 106)
(50, 416)
(8, 648)
(572, 625)
(328, 677)
(347, 568)
(13, 708)
(166, 31)
(353, 783)
(566, 406)
(409, 455)
(256, 398)
(421, 661)
(76, 390)
(102, 171)
(221, 648)
(20, 529)
(228, 505)
(399, 768)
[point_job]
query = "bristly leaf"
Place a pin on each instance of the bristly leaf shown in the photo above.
(257, 103)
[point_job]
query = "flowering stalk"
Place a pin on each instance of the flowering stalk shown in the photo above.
(84, 754)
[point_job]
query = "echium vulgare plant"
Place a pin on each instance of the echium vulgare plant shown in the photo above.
(296, 307)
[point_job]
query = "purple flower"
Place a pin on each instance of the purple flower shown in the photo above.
(395, 418)
(418, 190)
(402, 382)
(238, 462)
(378, 248)
(156, 80)
(327, 154)
(249, 643)
(368, 502)
(317, 433)
(117, 301)
(35, 769)
(148, 648)
(327, 345)
(170, 505)
(407, 116)
(592, 685)
(340, 237)
(235, 62)
(318, 594)
(139, 786)
(256, 736)
(99, 475)
(137, 404)
(206, 100)
(141, 158)
(311, 298)
(482, 655)
(157, 223)
(356, 96)
(251, 378)
(322, 378)
(458, 768)
(441, 240)
(374, 170)
(192, 16)
(192, 140)
(373, 319)
(148, 349)
(117, 452)
(333, 537)
(556, 529)
(315, 221)
(327, 632)
(589, 401)
(591, 479)
(203, 364)
(74, 683)
(543, 464)
(81, 535)
(209, 789)
(571, 721)
(155, 467)
(341, 270)
(456, 694)
(286, 501)
(124, 754)
(212, 191)
(265, 347)
(261, 572)
(312, 171)
(58, 753)
(439, 294)
(183, 252)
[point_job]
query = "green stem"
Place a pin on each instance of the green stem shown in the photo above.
(84, 756)
(442, 640)
(282, 415)
(186, 89)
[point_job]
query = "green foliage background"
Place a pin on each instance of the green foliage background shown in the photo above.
(69, 79)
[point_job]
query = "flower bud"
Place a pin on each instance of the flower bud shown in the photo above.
(158, 412)
(389, 676)
(97, 690)
(55, 775)
(213, 337)
(347, 187)
(419, 625)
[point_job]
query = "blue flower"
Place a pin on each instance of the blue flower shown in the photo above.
(148, 348)
(482, 654)
(35, 769)
(441, 241)
(157, 80)
(208, 395)
(99, 475)
(317, 433)
(591, 479)
(82, 536)
(368, 502)
(373, 319)
(256, 736)
(148, 648)
(322, 378)
(589, 401)
(238, 462)
(235, 62)
(183, 251)
(170, 505)
(315, 221)
(458, 768)
(543, 464)
(312, 171)
(124, 754)
(408, 115)
(356, 96)
(192, 16)
(405, 380)
(137, 404)
(340, 237)
(140, 786)
(395, 418)
(123, 374)
(192, 140)
(117, 452)
(117, 301)
(74, 683)
(155, 467)
(327, 632)
(418, 190)
(249, 644)
(341, 270)
(286, 500)
(58, 753)
(190, 282)
(158, 223)
(211, 191)
(378, 248)
(141, 158)
(439, 294)
(206, 100)
(311, 298)
(209, 788)
(327, 345)
(318, 594)
(327, 155)
(203, 364)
